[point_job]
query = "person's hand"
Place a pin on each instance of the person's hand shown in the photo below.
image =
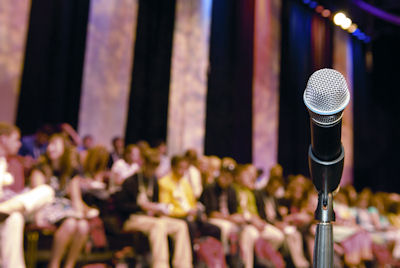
(237, 218)
(281, 225)
(258, 223)
(70, 131)
(151, 209)
(218, 215)
(192, 212)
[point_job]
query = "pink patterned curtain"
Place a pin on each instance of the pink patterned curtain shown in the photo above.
(267, 40)
(108, 69)
(342, 62)
(188, 87)
(14, 21)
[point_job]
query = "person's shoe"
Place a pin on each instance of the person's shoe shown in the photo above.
(3, 216)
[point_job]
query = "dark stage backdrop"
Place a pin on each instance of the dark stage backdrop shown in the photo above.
(52, 75)
(148, 103)
(377, 115)
(229, 95)
(294, 130)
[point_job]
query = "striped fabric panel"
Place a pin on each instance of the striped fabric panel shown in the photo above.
(188, 86)
(343, 62)
(108, 69)
(267, 38)
(14, 19)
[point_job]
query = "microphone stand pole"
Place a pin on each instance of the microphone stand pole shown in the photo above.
(326, 177)
(323, 246)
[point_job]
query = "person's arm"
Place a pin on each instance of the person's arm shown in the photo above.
(70, 131)
(116, 173)
(37, 178)
(207, 199)
(126, 198)
(257, 222)
(237, 218)
(218, 215)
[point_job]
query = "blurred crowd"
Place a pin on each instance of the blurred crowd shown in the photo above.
(204, 204)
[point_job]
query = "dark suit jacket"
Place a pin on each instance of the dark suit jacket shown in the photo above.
(125, 200)
(211, 195)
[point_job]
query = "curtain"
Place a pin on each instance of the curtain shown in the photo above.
(52, 74)
(148, 100)
(229, 96)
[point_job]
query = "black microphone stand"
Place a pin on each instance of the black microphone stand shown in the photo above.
(326, 177)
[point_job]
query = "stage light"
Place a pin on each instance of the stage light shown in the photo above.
(339, 18)
(313, 4)
(326, 13)
(346, 24)
(356, 32)
(319, 9)
(362, 36)
(352, 28)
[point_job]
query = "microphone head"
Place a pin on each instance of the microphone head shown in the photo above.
(326, 96)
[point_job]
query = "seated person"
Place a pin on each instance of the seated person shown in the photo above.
(117, 151)
(138, 202)
(59, 167)
(255, 226)
(177, 195)
(125, 167)
(15, 205)
(219, 199)
(193, 174)
(96, 177)
(35, 145)
(269, 208)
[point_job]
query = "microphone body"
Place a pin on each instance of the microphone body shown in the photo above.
(325, 140)
(326, 156)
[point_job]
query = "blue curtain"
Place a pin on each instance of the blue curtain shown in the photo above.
(294, 130)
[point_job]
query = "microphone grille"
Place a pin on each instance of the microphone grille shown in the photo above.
(326, 96)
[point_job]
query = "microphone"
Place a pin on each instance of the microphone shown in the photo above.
(325, 97)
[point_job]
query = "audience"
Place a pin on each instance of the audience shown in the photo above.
(185, 197)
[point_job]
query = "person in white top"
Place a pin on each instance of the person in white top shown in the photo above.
(15, 206)
(165, 167)
(125, 167)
